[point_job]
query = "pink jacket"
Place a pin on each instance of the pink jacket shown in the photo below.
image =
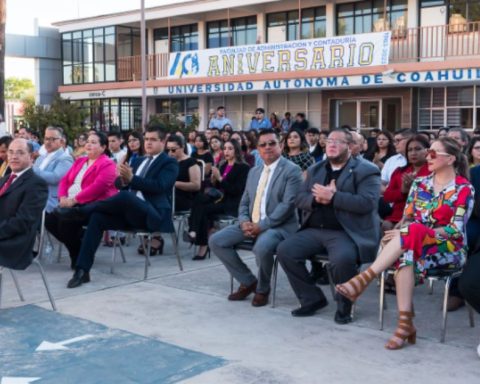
(97, 183)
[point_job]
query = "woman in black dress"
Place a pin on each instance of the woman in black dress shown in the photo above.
(203, 153)
(230, 179)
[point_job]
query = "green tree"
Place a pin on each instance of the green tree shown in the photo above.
(17, 89)
(60, 113)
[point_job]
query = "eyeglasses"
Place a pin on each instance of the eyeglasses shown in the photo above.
(51, 139)
(132, 140)
(433, 153)
(172, 150)
(335, 142)
(272, 143)
(397, 141)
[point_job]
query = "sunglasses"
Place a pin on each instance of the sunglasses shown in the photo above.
(172, 149)
(269, 143)
(433, 153)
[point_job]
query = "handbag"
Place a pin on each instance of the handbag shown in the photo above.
(215, 194)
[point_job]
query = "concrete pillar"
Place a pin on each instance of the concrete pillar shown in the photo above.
(262, 101)
(202, 112)
(412, 14)
(150, 42)
(202, 35)
(330, 14)
(261, 28)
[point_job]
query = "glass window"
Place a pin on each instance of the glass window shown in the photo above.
(459, 96)
(468, 9)
(289, 20)
(367, 16)
(244, 30)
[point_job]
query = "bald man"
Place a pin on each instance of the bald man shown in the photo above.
(23, 196)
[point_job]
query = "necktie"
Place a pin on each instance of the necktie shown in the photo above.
(144, 170)
(258, 196)
(7, 184)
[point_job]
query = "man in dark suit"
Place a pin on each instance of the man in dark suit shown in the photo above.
(144, 202)
(267, 215)
(23, 196)
(339, 203)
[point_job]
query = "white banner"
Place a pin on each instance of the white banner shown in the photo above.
(361, 50)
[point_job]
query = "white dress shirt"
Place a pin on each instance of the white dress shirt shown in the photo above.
(391, 165)
(140, 169)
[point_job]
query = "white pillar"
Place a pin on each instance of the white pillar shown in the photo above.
(412, 13)
(202, 112)
(202, 35)
(262, 101)
(261, 28)
(330, 14)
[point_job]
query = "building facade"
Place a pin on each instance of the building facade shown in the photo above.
(385, 64)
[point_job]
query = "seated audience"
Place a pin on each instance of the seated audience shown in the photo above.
(143, 203)
(229, 182)
(402, 178)
(274, 121)
(259, 121)
(135, 148)
(216, 149)
(442, 132)
(382, 149)
(399, 160)
(79, 149)
(266, 215)
(90, 178)
(339, 203)
(52, 166)
(300, 123)
(473, 152)
(115, 142)
(23, 196)
(202, 152)
(296, 150)
(189, 179)
(4, 143)
(286, 122)
(240, 137)
(460, 136)
(431, 235)
(219, 120)
(312, 136)
(251, 143)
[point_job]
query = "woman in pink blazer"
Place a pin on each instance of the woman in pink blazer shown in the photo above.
(90, 178)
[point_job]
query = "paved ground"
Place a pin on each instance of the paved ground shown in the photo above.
(222, 342)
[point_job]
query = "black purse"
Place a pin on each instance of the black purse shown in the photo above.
(214, 194)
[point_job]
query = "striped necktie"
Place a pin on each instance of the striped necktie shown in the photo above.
(7, 184)
(256, 212)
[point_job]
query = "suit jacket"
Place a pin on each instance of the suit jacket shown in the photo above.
(317, 153)
(156, 187)
(53, 173)
(475, 180)
(97, 183)
(280, 200)
(355, 202)
(21, 209)
(233, 186)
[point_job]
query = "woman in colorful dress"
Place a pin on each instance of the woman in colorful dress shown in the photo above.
(432, 233)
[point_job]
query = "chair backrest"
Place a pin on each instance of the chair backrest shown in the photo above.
(201, 164)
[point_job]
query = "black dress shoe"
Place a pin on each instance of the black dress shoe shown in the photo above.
(78, 278)
(309, 309)
(74, 213)
(344, 311)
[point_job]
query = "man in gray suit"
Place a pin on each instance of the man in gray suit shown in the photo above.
(267, 215)
(52, 166)
(339, 201)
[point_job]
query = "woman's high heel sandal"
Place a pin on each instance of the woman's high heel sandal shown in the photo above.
(200, 257)
(405, 331)
(356, 285)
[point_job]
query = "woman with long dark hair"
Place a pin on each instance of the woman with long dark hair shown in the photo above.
(473, 152)
(432, 233)
(382, 149)
(295, 149)
(228, 182)
(202, 152)
(134, 147)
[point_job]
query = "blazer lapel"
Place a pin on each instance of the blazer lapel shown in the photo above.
(155, 163)
(347, 172)
(18, 182)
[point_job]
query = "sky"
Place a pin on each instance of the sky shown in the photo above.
(22, 13)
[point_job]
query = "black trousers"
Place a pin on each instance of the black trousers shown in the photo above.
(122, 211)
(469, 283)
(68, 232)
(293, 252)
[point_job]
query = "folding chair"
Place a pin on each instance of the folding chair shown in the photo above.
(35, 261)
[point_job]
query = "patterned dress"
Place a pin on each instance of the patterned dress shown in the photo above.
(425, 211)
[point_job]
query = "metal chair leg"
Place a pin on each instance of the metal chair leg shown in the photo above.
(147, 254)
(175, 249)
(45, 282)
(382, 299)
(231, 284)
(59, 252)
(1, 285)
(275, 275)
(17, 285)
(328, 267)
(430, 286)
(471, 317)
(444, 309)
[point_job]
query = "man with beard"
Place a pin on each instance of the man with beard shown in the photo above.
(339, 202)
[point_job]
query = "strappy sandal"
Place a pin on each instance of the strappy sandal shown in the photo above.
(405, 331)
(356, 285)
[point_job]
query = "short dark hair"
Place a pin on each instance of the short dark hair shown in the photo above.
(220, 107)
(268, 131)
(6, 140)
(405, 132)
(346, 132)
(204, 140)
(103, 139)
(179, 140)
(159, 129)
(118, 135)
(313, 130)
(261, 110)
(302, 115)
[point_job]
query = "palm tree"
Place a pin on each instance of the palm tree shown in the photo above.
(3, 18)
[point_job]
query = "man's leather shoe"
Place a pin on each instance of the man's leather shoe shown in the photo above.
(342, 318)
(74, 213)
(260, 299)
(454, 303)
(78, 278)
(309, 309)
(343, 315)
(242, 292)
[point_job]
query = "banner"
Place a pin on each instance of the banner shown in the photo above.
(360, 50)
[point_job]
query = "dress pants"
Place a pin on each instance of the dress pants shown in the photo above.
(222, 245)
(122, 211)
(293, 252)
(469, 283)
(68, 232)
